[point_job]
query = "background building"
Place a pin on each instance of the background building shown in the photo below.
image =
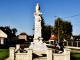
(23, 35)
(6, 35)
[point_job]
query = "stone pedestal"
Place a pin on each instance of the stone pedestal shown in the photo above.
(29, 54)
(49, 54)
(18, 46)
(12, 52)
(67, 53)
(38, 45)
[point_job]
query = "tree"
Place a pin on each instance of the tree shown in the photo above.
(48, 32)
(14, 30)
(65, 29)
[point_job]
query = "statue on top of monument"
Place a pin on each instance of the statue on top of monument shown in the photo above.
(37, 8)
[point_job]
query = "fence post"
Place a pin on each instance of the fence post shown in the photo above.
(49, 54)
(72, 43)
(29, 54)
(12, 53)
(17, 46)
(77, 43)
(67, 43)
(67, 53)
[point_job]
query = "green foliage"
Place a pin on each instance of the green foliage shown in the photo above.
(65, 29)
(75, 56)
(14, 30)
(4, 53)
(46, 30)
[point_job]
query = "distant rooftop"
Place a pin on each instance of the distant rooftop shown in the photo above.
(23, 33)
(53, 38)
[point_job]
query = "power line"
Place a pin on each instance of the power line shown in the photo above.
(50, 22)
(71, 16)
(65, 17)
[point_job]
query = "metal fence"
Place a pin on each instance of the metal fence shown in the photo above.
(68, 43)
(72, 43)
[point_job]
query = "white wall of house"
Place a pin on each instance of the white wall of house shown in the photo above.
(2, 34)
(51, 41)
(2, 41)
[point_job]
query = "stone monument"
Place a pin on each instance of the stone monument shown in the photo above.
(38, 45)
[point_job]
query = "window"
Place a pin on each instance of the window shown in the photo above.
(19, 36)
(22, 36)
(25, 36)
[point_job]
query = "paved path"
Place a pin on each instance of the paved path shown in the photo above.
(74, 51)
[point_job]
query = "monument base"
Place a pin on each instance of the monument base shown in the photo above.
(38, 46)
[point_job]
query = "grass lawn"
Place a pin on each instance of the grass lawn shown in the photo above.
(4, 53)
(75, 56)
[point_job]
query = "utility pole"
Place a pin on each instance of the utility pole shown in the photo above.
(58, 30)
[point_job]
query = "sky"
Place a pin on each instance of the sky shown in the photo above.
(19, 14)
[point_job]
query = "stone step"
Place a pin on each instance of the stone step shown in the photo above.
(40, 58)
(38, 54)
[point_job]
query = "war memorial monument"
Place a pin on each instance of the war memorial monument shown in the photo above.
(37, 46)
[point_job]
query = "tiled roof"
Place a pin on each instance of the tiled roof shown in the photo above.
(23, 33)
(53, 38)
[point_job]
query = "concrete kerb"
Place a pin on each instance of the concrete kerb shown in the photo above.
(72, 47)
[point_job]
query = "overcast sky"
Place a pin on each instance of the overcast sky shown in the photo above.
(19, 14)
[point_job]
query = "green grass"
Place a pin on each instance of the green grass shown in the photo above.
(75, 49)
(75, 56)
(4, 53)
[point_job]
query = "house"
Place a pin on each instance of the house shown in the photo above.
(22, 35)
(52, 39)
(75, 38)
(6, 35)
